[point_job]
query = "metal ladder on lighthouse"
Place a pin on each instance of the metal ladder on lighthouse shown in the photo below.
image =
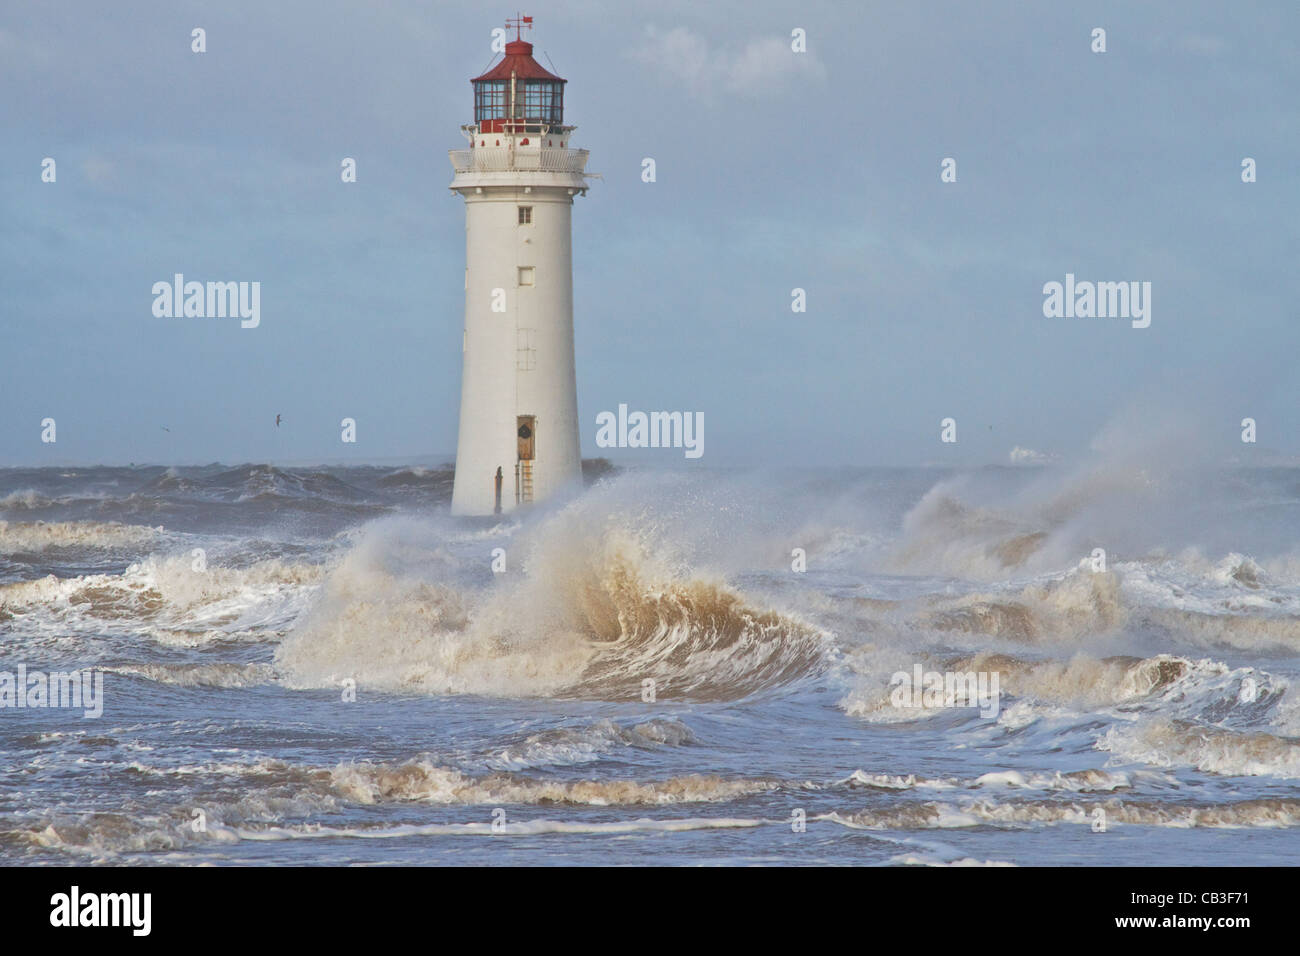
(524, 482)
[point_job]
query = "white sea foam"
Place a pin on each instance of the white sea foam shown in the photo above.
(1179, 743)
(166, 596)
(935, 815)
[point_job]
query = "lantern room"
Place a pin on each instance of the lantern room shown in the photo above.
(518, 94)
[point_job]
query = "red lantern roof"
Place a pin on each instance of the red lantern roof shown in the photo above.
(518, 60)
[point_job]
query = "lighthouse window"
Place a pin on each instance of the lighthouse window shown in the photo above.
(525, 215)
(543, 101)
(526, 275)
(490, 100)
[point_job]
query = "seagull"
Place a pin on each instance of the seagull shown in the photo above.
(277, 421)
(164, 428)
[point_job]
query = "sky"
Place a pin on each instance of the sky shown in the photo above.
(775, 170)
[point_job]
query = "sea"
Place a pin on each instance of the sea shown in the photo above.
(1083, 664)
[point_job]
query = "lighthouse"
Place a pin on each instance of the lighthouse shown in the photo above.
(518, 440)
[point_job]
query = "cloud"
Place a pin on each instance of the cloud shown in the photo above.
(1027, 456)
(765, 64)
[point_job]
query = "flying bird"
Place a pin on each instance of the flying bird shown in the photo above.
(277, 421)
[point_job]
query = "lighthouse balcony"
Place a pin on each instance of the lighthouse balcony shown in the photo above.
(494, 159)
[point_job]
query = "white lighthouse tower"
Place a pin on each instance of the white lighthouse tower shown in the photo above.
(518, 439)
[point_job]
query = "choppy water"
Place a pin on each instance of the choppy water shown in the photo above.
(1160, 690)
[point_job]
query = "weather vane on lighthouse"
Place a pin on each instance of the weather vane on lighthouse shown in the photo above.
(518, 440)
(519, 22)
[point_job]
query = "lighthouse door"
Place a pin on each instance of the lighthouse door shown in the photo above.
(526, 435)
(527, 425)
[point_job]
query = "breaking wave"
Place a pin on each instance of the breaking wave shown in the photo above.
(35, 536)
(222, 674)
(422, 781)
(1234, 603)
(275, 793)
(577, 745)
(1173, 743)
(594, 608)
(24, 499)
(167, 595)
(1073, 781)
(1279, 812)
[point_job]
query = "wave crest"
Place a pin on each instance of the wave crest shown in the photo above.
(23, 536)
(598, 609)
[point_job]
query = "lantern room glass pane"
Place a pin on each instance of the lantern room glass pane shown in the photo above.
(490, 100)
(543, 101)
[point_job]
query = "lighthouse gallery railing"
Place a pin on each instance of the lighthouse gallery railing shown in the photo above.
(494, 159)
